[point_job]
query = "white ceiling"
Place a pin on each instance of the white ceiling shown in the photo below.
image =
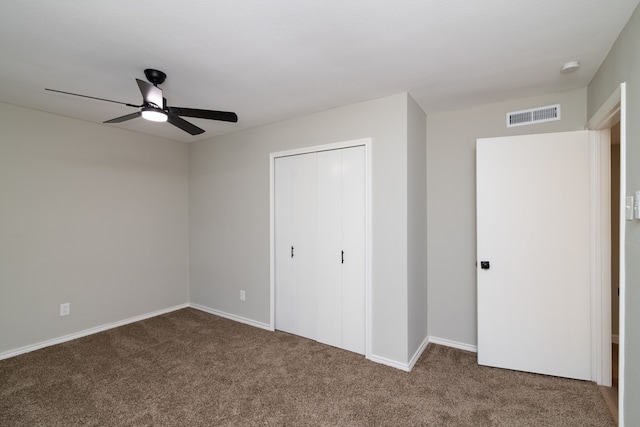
(269, 60)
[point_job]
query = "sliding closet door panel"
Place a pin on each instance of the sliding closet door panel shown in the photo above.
(329, 233)
(283, 239)
(353, 243)
(305, 244)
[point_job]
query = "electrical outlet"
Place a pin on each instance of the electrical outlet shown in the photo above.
(242, 296)
(65, 309)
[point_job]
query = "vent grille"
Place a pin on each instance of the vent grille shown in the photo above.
(533, 115)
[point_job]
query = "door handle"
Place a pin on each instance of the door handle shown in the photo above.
(291, 251)
(342, 257)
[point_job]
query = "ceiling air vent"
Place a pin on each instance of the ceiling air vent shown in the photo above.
(533, 115)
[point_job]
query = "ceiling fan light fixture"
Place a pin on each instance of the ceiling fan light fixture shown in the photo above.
(154, 114)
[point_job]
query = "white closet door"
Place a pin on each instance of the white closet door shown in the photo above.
(341, 248)
(320, 246)
(353, 244)
(330, 247)
(285, 290)
(305, 246)
(295, 240)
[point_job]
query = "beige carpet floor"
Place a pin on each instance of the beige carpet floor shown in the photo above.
(190, 368)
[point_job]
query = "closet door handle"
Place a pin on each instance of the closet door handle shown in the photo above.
(291, 251)
(342, 257)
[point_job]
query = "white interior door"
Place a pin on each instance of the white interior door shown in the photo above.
(533, 228)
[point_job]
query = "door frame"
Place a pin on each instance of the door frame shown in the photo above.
(600, 188)
(367, 143)
(610, 112)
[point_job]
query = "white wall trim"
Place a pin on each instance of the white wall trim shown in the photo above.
(418, 353)
(323, 147)
(409, 366)
(622, 274)
(389, 362)
(609, 112)
(453, 344)
(605, 117)
(377, 359)
(234, 317)
(86, 332)
(366, 142)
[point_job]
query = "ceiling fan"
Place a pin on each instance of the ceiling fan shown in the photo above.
(154, 106)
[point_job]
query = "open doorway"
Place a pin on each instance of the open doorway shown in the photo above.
(611, 393)
(611, 118)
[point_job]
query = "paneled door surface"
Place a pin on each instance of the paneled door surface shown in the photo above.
(341, 248)
(295, 244)
(320, 246)
(533, 237)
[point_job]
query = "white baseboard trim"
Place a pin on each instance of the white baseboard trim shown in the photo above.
(393, 363)
(615, 339)
(377, 359)
(454, 344)
(409, 366)
(232, 317)
(90, 331)
(418, 353)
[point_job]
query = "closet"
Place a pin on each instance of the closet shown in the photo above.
(319, 228)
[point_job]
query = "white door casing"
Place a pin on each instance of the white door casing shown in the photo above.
(612, 111)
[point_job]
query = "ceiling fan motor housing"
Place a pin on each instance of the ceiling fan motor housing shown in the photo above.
(155, 76)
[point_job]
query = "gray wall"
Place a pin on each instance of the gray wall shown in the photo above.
(229, 212)
(623, 65)
(91, 215)
(451, 208)
(417, 223)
